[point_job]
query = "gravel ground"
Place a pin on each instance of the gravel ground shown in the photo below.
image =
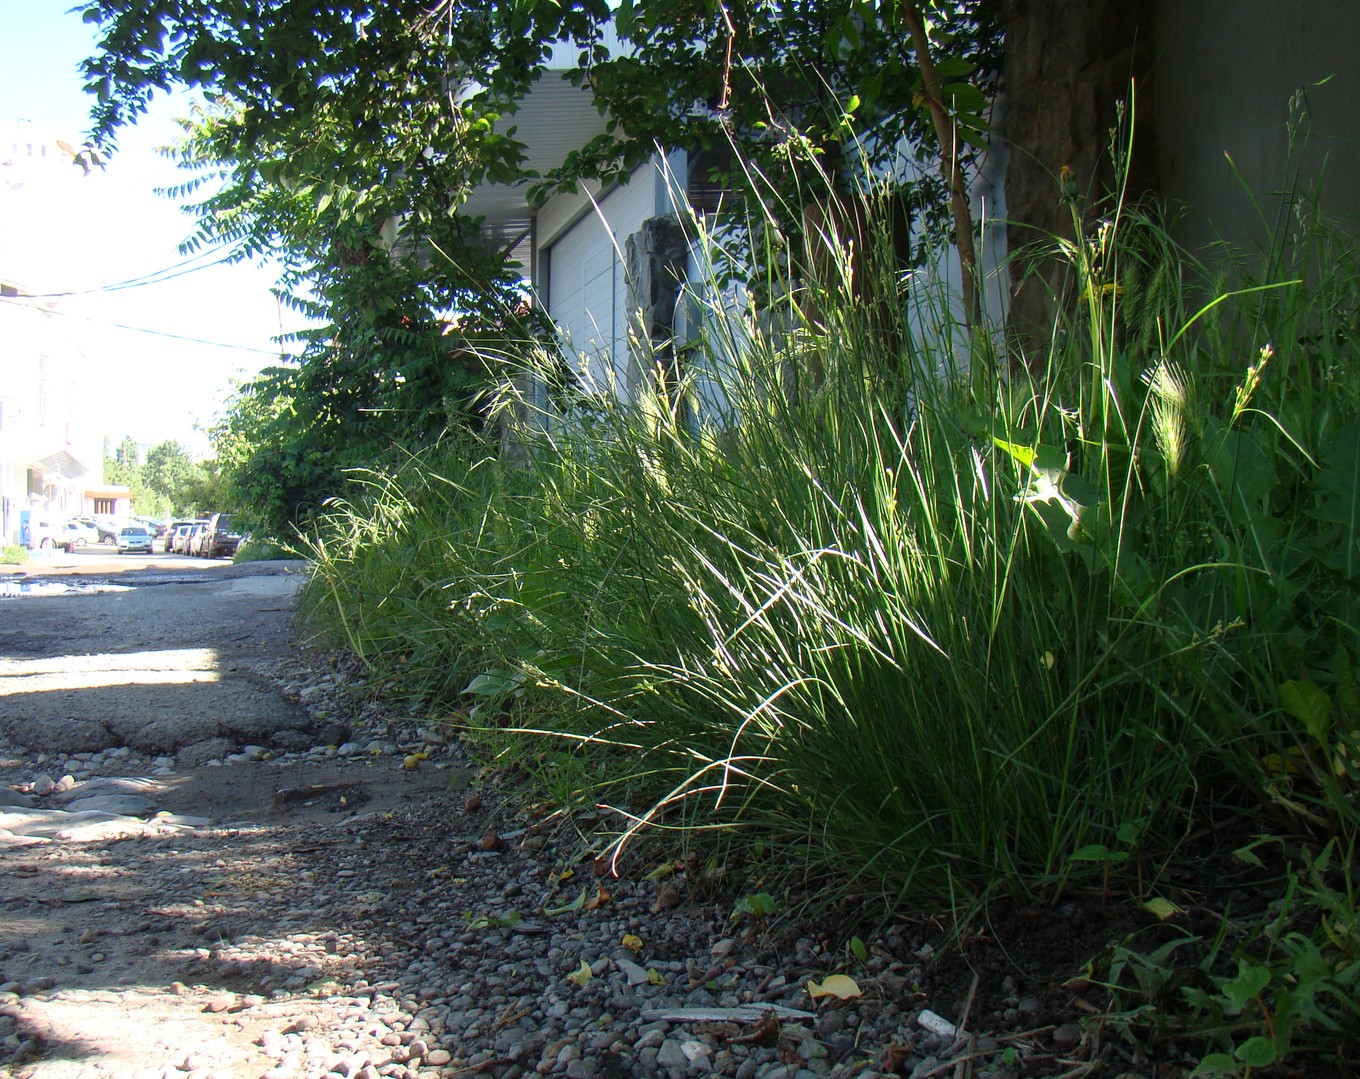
(359, 899)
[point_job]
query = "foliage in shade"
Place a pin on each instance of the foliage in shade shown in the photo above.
(936, 627)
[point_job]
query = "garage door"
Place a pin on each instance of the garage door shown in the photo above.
(587, 293)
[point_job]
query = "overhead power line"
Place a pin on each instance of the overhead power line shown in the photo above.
(155, 277)
(19, 300)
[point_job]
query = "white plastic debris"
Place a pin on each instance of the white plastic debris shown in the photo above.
(937, 1024)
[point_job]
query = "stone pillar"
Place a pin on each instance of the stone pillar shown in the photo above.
(656, 262)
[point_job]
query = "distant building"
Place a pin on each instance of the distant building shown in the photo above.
(48, 456)
(51, 453)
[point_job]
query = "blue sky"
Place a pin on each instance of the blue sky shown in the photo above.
(161, 356)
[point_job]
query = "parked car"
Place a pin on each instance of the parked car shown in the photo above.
(108, 529)
(150, 524)
(186, 539)
(220, 537)
(174, 531)
(75, 534)
(134, 539)
(179, 538)
(44, 533)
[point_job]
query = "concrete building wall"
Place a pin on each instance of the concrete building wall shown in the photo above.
(1225, 72)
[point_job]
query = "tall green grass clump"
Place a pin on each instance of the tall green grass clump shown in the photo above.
(918, 617)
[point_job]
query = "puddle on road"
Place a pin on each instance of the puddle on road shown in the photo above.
(13, 589)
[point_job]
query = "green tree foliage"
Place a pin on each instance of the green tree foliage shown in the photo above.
(168, 482)
(325, 123)
(168, 469)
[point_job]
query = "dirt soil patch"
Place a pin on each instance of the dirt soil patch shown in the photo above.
(301, 884)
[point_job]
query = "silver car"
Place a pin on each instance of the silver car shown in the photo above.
(134, 539)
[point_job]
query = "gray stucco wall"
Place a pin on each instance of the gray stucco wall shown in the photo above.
(1224, 72)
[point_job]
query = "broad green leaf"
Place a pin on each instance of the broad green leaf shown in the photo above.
(1130, 831)
(575, 904)
(492, 683)
(1311, 706)
(858, 949)
(759, 905)
(1023, 454)
(1257, 1052)
(954, 67)
(1162, 909)
(1097, 852)
(1217, 1064)
(1251, 978)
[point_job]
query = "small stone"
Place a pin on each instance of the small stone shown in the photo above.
(1067, 1034)
(438, 1057)
(694, 1049)
(652, 1039)
(672, 1055)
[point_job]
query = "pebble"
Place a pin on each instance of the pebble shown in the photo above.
(369, 960)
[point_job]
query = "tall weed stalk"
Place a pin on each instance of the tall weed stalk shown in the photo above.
(923, 621)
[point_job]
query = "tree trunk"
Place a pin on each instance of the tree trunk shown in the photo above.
(1068, 65)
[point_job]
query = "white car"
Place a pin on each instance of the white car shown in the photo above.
(134, 538)
(78, 534)
(47, 533)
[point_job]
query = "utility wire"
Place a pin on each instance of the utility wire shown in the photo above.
(155, 277)
(154, 333)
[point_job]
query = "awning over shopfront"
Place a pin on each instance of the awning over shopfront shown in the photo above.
(64, 464)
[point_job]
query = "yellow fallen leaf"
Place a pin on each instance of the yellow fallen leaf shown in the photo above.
(632, 943)
(655, 978)
(581, 975)
(840, 986)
